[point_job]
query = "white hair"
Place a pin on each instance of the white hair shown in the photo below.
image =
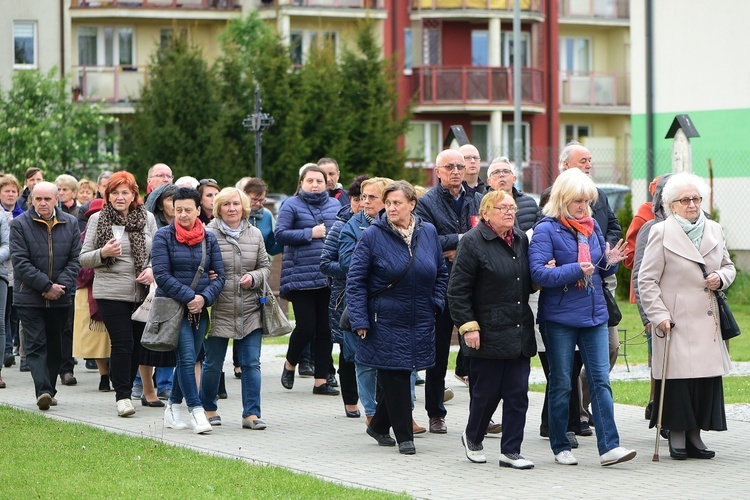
(501, 159)
(566, 152)
(678, 183)
(187, 181)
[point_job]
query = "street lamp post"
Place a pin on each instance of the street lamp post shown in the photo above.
(257, 123)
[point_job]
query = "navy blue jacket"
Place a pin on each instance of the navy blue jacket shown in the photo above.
(561, 300)
(438, 208)
(41, 257)
(300, 269)
(400, 322)
(329, 265)
(175, 265)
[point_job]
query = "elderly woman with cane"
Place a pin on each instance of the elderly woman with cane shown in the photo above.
(679, 302)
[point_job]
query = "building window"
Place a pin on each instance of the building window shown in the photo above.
(508, 138)
(423, 142)
(480, 139)
(106, 46)
(575, 132)
(407, 49)
(480, 44)
(301, 41)
(24, 44)
(506, 49)
(575, 55)
(167, 34)
(431, 50)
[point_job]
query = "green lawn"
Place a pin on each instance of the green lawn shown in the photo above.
(53, 459)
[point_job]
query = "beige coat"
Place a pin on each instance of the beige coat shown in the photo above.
(672, 287)
(236, 312)
(116, 282)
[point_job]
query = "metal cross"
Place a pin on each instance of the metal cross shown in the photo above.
(258, 122)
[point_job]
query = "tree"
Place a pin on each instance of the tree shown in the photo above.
(41, 126)
(177, 119)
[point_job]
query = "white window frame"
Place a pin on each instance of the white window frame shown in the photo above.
(35, 37)
(101, 52)
(563, 56)
(506, 51)
(429, 152)
(564, 139)
(309, 37)
(508, 141)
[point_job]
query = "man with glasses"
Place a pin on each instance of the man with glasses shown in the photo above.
(453, 210)
(158, 175)
(575, 155)
(501, 176)
(472, 161)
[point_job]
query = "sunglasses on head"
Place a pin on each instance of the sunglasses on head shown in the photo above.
(207, 181)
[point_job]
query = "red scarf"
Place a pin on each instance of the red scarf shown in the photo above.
(192, 236)
(508, 236)
(582, 229)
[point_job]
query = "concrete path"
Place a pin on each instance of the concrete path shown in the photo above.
(310, 434)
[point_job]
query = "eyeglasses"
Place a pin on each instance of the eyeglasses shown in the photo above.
(685, 202)
(366, 197)
(453, 166)
(203, 182)
(475, 158)
(505, 209)
(505, 171)
(257, 200)
(163, 176)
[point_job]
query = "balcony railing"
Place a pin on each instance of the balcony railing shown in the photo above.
(596, 9)
(161, 4)
(503, 5)
(346, 4)
(111, 83)
(600, 89)
(445, 85)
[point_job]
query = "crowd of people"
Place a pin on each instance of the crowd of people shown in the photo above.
(387, 271)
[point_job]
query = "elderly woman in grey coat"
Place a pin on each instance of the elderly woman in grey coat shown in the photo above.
(678, 298)
(236, 313)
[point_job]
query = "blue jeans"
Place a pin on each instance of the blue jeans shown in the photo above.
(248, 349)
(188, 347)
(593, 344)
(367, 382)
(163, 376)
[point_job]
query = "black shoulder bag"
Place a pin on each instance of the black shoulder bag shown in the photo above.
(729, 327)
(344, 323)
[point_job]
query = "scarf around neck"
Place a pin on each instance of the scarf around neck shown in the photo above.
(190, 237)
(582, 229)
(407, 233)
(234, 233)
(134, 223)
(693, 230)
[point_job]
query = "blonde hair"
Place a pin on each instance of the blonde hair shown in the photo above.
(87, 184)
(490, 199)
(225, 195)
(379, 182)
(570, 185)
(68, 181)
(10, 180)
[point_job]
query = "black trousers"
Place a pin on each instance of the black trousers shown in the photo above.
(493, 380)
(67, 365)
(348, 380)
(574, 422)
(311, 313)
(434, 388)
(125, 337)
(42, 331)
(394, 405)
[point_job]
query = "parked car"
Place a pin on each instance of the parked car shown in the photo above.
(616, 194)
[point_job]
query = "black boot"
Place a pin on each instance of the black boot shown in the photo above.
(222, 387)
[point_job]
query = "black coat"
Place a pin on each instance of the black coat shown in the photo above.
(490, 283)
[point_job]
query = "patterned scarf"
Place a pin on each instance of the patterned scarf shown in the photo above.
(190, 237)
(407, 233)
(135, 224)
(582, 229)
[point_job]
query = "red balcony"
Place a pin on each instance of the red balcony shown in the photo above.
(598, 89)
(161, 4)
(595, 9)
(501, 5)
(111, 84)
(475, 85)
(346, 4)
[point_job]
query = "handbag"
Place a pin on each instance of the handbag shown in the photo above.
(141, 313)
(615, 316)
(162, 331)
(344, 322)
(728, 325)
(275, 322)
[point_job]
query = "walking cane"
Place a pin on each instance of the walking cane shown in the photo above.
(661, 394)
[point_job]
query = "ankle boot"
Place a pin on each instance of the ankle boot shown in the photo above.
(173, 418)
(199, 421)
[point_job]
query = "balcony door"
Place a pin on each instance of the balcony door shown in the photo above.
(106, 46)
(480, 48)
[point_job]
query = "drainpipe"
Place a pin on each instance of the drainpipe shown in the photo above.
(62, 39)
(649, 95)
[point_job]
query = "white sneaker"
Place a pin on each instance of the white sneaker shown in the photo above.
(476, 456)
(566, 457)
(125, 408)
(515, 460)
(617, 455)
(199, 421)
(172, 417)
(448, 394)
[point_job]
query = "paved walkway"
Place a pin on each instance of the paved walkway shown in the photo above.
(310, 434)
